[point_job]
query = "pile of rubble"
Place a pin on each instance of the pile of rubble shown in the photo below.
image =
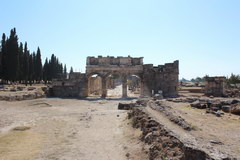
(214, 106)
(233, 93)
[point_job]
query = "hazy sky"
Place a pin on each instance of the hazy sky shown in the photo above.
(204, 35)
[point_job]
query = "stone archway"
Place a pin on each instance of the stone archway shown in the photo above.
(95, 84)
(135, 84)
(162, 78)
(105, 66)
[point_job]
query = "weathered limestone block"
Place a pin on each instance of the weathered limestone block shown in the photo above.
(215, 86)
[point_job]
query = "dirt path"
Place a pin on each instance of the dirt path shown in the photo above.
(67, 129)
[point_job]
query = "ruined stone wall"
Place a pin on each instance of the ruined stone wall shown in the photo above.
(215, 86)
(114, 61)
(75, 75)
(163, 78)
(73, 87)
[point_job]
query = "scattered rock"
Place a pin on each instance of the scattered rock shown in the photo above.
(236, 109)
(158, 96)
(235, 101)
(19, 88)
(128, 155)
(216, 142)
(199, 105)
(122, 106)
(212, 105)
(226, 108)
(31, 88)
(13, 89)
(142, 102)
(21, 128)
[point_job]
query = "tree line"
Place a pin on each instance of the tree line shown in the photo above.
(233, 79)
(18, 64)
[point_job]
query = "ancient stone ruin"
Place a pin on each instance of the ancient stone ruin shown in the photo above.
(215, 86)
(161, 79)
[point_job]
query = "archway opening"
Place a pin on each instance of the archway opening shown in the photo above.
(114, 85)
(133, 86)
(95, 86)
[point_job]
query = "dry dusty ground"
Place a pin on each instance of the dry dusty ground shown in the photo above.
(67, 129)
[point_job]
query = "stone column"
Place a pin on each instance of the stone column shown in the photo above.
(104, 87)
(124, 86)
(141, 88)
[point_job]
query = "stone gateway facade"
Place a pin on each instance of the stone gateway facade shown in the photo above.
(153, 79)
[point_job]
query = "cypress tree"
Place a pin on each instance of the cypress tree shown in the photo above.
(31, 69)
(12, 56)
(1, 64)
(71, 70)
(21, 63)
(26, 63)
(34, 74)
(65, 71)
(3, 57)
(60, 72)
(46, 71)
(17, 64)
(38, 68)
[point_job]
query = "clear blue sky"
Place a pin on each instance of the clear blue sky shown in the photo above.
(204, 35)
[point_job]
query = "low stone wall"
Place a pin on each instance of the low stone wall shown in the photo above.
(163, 144)
(69, 91)
(22, 96)
(76, 87)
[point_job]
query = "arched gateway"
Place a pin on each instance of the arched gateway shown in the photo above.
(154, 79)
(123, 66)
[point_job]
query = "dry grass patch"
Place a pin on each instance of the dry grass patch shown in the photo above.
(23, 145)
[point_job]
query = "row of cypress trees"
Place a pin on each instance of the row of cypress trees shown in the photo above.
(18, 64)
